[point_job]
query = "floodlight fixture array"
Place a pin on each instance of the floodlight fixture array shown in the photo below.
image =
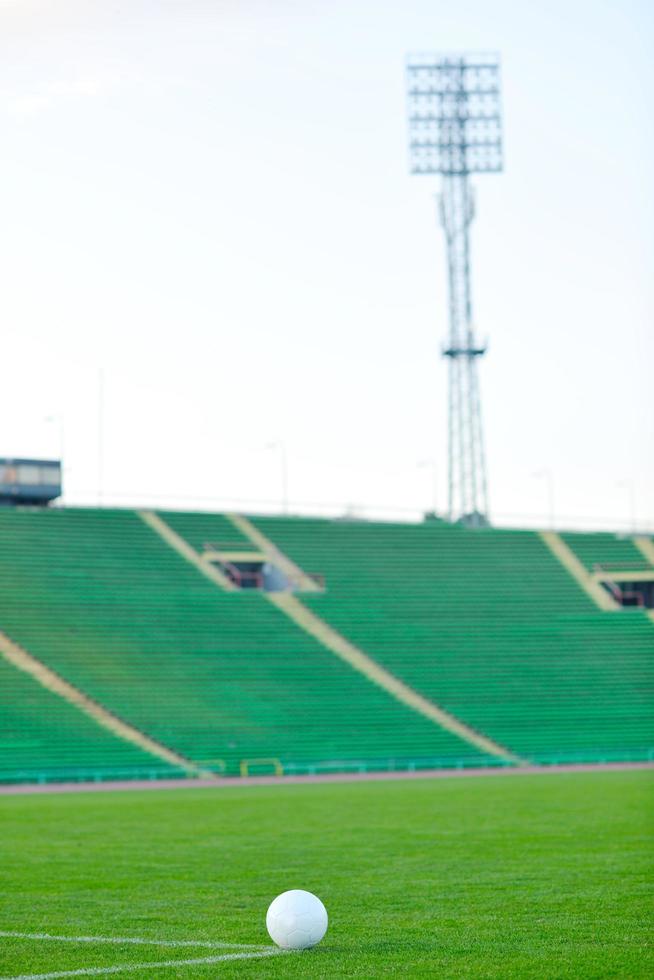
(455, 130)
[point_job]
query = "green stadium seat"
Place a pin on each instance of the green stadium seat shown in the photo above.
(491, 627)
(44, 738)
(218, 677)
(604, 549)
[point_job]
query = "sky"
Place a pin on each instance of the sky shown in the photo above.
(221, 287)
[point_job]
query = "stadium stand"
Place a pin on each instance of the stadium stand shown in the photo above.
(491, 627)
(221, 678)
(604, 549)
(40, 733)
(201, 529)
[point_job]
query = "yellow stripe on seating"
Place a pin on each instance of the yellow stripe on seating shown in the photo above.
(646, 548)
(291, 606)
(184, 549)
(293, 572)
(31, 665)
(571, 563)
(328, 637)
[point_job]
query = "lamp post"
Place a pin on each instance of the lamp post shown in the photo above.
(281, 448)
(547, 475)
(630, 487)
(433, 465)
(100, 435)
(58, 420)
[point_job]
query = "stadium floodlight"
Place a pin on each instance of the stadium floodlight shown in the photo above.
(455, 130)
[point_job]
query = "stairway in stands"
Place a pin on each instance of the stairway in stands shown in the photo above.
(43, 737)
(222, 678)
(489, 625)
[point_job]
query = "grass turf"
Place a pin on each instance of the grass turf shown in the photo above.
(524, 877)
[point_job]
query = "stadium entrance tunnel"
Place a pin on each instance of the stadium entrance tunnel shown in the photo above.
(254, 569)
(255, 575)
(628, 586)
(245, 569)
(632, 593)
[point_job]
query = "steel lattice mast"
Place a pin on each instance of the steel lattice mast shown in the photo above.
(455, 130)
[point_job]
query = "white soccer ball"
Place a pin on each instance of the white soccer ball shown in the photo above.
(296, 919)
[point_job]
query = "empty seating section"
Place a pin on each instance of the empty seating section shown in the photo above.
(217, 677)
(43, 737)
(490, 626)
(201, 529)
(604, 549)
(486, 623)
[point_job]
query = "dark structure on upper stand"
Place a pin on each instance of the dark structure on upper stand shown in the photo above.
(29, 481)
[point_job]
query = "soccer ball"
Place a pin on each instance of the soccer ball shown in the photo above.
(296, 919)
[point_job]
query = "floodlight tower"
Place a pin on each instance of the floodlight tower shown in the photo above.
(455, 130)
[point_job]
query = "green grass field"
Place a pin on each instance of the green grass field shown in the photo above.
(525, 877)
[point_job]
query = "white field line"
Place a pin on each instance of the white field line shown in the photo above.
(133, 940)
(131, 967)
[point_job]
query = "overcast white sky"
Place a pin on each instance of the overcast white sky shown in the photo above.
(209, 202)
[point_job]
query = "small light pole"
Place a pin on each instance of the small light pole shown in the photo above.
(433, 465)
(281, 448)
(630, 487)
(59, 421)
(547, 475)
(100, 435)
